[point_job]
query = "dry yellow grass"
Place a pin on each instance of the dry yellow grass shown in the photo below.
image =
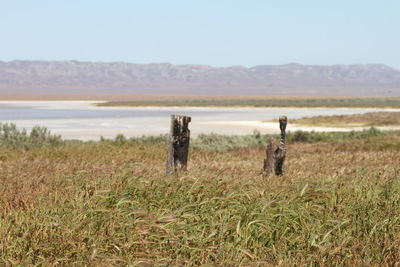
(110, 204)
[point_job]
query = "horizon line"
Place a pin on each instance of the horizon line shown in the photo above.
(198, 64)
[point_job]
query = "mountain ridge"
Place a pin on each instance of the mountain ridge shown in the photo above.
(79, 77)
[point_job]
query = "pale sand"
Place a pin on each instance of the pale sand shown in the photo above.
(109, 128)
(222, 121)
(272, 127)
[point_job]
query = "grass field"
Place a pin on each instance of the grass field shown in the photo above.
(109, 203)
(393, 102)
(367, 119)
(215, 100)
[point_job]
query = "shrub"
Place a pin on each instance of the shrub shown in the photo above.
(10, 136)
(152, 140)
(120, 139)
(221, 143)
(313, 137)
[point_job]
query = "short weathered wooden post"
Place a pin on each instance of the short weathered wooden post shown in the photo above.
(276, 154)
(280, 152)
(178, 144)
(269, 162)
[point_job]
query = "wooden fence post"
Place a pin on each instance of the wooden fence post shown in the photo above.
(178, 149)
(276, 154)
(269, 162)
(280, 152)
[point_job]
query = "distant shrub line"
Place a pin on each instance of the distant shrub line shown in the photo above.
(39, 136)
(272, 102)
(222, 143)
(10, 136)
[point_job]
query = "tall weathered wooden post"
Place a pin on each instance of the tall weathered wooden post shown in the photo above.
(280, 152)
(276, 154)
(179, 138)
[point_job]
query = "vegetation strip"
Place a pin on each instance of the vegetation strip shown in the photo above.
(378, 102)
(367, 119)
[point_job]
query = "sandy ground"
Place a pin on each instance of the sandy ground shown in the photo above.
(272, 127)
(205, 120)
(94, 128)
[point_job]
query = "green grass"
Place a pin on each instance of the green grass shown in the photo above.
(393, 102)
(367, 119)
(39, 136)
(110, 204)
(222, 143)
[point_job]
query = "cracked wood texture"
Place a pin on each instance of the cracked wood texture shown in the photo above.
(178, 144)
(276, 154)
(280, 152)
(269, 162)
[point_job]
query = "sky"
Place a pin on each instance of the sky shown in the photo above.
(211, 32)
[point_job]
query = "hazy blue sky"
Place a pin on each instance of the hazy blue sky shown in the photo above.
(214, 32)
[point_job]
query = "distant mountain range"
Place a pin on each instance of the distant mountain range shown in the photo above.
(74, 77)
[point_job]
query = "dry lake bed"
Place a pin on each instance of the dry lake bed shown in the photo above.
(85, 121)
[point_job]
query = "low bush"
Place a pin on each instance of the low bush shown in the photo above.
(221, 143)
(314, 137)
(39, 136)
